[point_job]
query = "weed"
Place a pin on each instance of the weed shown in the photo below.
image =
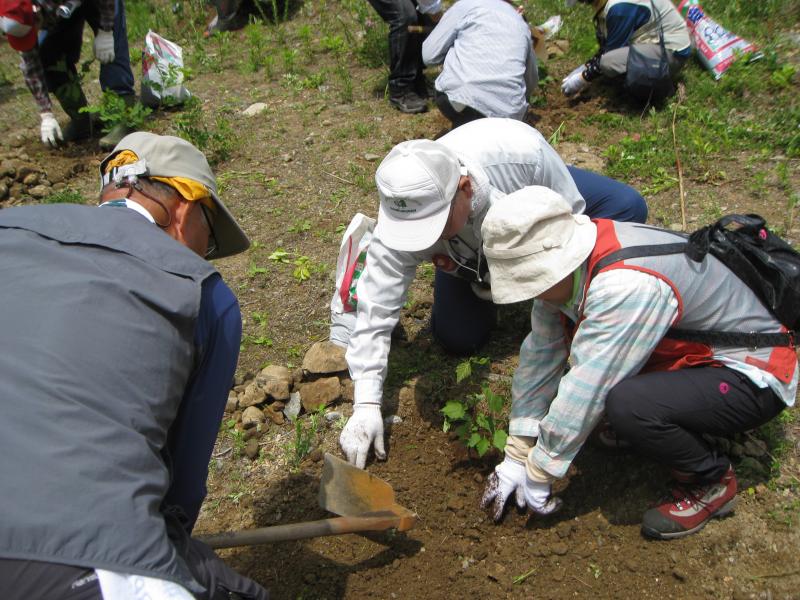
(299, 226)
(305, 267)
(65, 196)
(334, 44)
(521, 578)
(114, 111)
(279, 255)
(305, 436)
(346, 87)
(217, 143)
(254, 270)
(289, 56)
(256, 46)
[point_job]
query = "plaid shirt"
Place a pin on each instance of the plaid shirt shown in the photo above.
(625, 316)
(31, 63)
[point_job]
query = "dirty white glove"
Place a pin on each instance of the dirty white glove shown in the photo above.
(104, 46)
(51, 132)
(362, 430)
(510, 477)
(574, 82)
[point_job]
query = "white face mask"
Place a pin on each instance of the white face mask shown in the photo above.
(11, 27)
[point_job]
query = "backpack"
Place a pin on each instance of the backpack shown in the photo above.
(763, 261)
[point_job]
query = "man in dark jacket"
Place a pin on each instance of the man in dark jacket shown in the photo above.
(125, 342)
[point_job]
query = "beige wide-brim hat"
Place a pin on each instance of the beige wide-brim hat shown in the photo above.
(169, 156)
(532, 241)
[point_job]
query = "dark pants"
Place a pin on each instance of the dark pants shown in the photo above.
(664, 414)
(29, 579)
(405, 49)
(457, 118)
(462, 322)
(60, 51)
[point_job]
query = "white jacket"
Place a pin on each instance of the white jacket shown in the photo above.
(501, 156)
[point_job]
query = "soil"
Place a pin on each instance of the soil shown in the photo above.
(299, 171)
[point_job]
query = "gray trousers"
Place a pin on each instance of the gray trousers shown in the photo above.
(615, 62)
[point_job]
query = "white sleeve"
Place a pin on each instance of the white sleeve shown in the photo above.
(441, 39)
(381, 291)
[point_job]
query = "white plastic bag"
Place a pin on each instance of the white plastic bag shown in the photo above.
(349, 266)
(717, 47)
(162, 72)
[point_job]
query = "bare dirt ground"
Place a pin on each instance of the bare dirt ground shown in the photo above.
(295, 174)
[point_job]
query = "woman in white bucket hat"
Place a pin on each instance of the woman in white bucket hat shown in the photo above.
(659, 390)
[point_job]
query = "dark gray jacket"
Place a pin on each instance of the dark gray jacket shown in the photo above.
(97, 316)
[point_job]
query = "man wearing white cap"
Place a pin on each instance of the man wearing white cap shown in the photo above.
(125, 345)
(637, 354)
(434, 196)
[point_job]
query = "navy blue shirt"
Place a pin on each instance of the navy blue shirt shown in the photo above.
(622, 21)
(217, 336)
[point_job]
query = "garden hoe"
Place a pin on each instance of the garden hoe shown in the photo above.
(364, 502)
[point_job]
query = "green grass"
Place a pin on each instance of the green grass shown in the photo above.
(65, 196)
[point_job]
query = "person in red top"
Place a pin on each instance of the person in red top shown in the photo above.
(48, 36)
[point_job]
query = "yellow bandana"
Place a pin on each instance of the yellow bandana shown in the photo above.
(189, 189)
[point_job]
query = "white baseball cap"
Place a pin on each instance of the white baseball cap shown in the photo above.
(417, 182)
(532, 241)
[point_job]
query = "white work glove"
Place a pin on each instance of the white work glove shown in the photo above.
(510, 477)
(51, 132)
(104, 46)
(362, 430)
(574, 82)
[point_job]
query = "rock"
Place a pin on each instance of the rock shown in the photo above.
(292, 408)
(332, 416)
(254, 432)
(679, 574)
(348, 390)
(39, 191)
(31, 179)
(252, 395)
(252, 416)
(276, 381)
(8, 170)
(497, 572)
(676, 226)
(319, 393)
(565, 529)
(251, 449)
(477, 478)
(315, 455)
(407, 395)
(369, 157)
(559, 548)
(254, 109)
(455, 503)
(755, 448)
(241, 378)
(273, 414)
(392, 420)
(233, 402)
(3, 191)
(23, 172)
(325, 357)
(754, 466)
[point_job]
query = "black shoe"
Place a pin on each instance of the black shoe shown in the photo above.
(408, 101)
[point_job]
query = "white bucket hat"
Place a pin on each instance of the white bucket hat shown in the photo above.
(532, 241)
(417, 182)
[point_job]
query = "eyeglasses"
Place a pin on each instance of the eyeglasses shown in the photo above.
(212, 238)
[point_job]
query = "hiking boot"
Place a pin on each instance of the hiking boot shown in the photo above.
(78, 128)
(690, 507)
(408, 101)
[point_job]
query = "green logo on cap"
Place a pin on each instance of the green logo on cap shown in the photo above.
(400, 203)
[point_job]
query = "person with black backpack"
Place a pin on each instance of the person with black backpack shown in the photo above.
(668, 342)
(646, 42)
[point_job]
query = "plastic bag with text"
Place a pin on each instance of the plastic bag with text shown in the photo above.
(716, 47)
(349, 266)
(162, 72)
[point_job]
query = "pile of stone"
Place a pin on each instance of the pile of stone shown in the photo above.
(277, 394)
(21, 181)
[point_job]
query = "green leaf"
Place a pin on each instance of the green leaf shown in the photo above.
(474, 440)
(482, 421)
(499, 440)
(482, 446)
(495, 401)
(454, 410)
(463, 370)
(461, 430)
